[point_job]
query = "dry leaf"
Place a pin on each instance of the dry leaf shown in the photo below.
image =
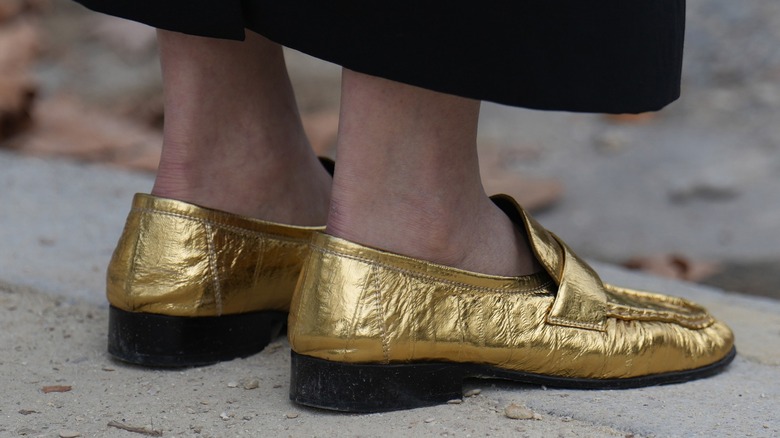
(19, 46)
(37, 5)
(125, 36)
(146, 108)
(533, 194)
(64, 127)
(56, 388)
(9, 9)
(520, 412)
(135, 429)
(673, 266)
(17, 94)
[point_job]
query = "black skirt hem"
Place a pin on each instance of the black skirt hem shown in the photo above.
(606, 56)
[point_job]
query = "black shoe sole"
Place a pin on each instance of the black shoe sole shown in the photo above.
(174, 341)
(364, 388)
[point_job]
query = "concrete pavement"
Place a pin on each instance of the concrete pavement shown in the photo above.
(58, 225)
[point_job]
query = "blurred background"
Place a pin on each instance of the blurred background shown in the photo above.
(691, 192)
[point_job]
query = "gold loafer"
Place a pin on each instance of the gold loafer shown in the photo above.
(191, 286)
(374, 331)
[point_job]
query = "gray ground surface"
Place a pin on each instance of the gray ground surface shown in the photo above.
(702, 178)
(60, 230)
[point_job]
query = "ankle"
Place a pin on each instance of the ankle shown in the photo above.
(499, 246)
(404, 228)
(475, 236)
(270, 190)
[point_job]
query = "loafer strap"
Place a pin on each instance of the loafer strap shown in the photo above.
(581, 300)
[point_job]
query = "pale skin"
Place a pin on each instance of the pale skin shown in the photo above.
(407, 174)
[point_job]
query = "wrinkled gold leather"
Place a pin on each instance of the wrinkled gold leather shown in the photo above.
(179, 259)
(361, 305)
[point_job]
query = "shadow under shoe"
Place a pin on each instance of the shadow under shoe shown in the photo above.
(374, 331)
(191, 286)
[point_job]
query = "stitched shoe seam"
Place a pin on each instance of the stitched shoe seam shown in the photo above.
(539, 290)
(698, 321)
(684, 324)
(212, 253)
(214, 271)
(572, 323)
(381, 317)
(293, 329)
(232, 228)
(663, 298)
(131, 277)
(626, 310)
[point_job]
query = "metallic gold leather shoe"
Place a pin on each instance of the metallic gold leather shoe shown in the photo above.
(373, 331)
(192, 286)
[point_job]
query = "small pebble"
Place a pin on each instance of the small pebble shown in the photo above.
(224, 416)
(430, 420)
(251, 384)
(291, 415)
(232, 385)
(69, 434)
(518, 412)
(472, 392)
(455, 401)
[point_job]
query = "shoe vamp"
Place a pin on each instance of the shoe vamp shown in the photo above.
(510, 331)
(629, 304)
(514, 334)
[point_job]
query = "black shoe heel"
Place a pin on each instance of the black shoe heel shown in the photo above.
(174, 341)
(372, 388)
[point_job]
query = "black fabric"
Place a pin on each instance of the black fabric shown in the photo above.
(211, 18)
(575, 55)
